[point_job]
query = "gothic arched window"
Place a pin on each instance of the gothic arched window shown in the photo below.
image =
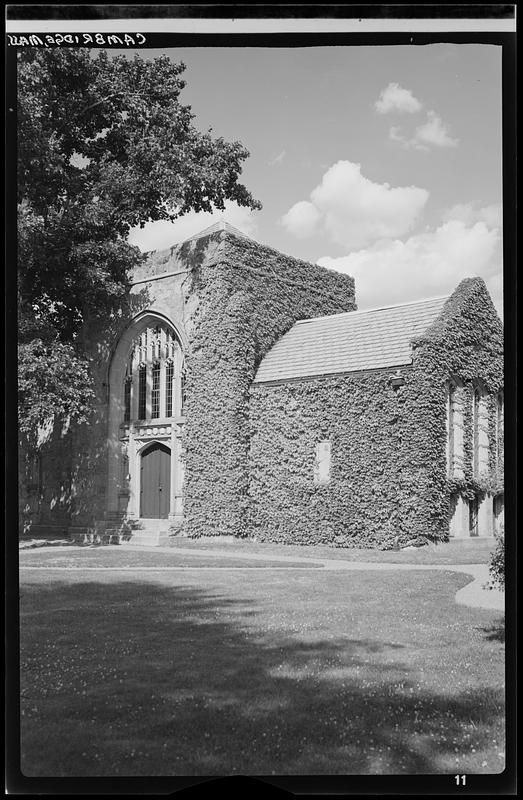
(169, 378)
(454, 429)
(480, 422)
(475, 431)
(499, 431)
(153, 380)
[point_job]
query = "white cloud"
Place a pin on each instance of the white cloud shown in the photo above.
(301, 220)
(425, 265)
(469, 214)
(434, 132)
(161, 234)
(395, 98)
(354, 210)
(396, 135)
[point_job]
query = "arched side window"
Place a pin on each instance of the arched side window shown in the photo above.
(152, 384)
(450, 429)
(480, 442)
(475, 431)
(500, 410)
(454, 429)
(127, 389)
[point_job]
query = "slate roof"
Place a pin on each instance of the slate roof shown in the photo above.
(349, 342)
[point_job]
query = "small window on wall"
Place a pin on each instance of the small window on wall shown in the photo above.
(322, 463)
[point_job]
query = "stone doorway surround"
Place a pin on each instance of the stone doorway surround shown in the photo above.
(128, 439)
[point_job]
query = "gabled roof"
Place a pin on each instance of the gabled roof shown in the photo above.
(350, 342)
(170, 260)
(221, 225)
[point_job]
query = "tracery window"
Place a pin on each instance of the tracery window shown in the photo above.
(155, 391)
(169, 377)
(153, 380)
(142, 392)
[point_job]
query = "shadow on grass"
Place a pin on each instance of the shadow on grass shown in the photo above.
(136, 678)
(495, 632)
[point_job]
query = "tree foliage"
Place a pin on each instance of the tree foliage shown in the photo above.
(104, 145)
(497, 563)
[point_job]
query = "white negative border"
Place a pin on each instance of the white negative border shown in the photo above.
(263, 25)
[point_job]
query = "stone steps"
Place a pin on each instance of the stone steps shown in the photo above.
(148, 533)
(145, 538)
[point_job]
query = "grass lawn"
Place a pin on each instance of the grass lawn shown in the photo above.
(103, 556)
(468, 551)
(256, 672)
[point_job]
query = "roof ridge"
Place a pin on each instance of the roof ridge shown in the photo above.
(221, 225)
(377, 308)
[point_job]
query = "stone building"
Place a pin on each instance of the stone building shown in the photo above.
(240, 392)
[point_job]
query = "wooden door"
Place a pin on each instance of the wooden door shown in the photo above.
(155, 482)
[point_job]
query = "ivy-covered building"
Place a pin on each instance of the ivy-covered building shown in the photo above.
(240, 392)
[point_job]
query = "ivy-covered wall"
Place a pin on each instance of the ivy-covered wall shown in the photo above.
(388, 446)
(466, 343)
(248, 296)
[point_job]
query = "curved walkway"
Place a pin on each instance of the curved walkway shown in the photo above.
(473, 594)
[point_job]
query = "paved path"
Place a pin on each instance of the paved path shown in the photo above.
(473, 594)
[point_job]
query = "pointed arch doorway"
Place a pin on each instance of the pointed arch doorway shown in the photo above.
(146, 420)
(155, 481)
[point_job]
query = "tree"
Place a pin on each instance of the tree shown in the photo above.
(104, 145)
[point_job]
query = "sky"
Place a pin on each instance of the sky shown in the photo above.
(381, 162)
